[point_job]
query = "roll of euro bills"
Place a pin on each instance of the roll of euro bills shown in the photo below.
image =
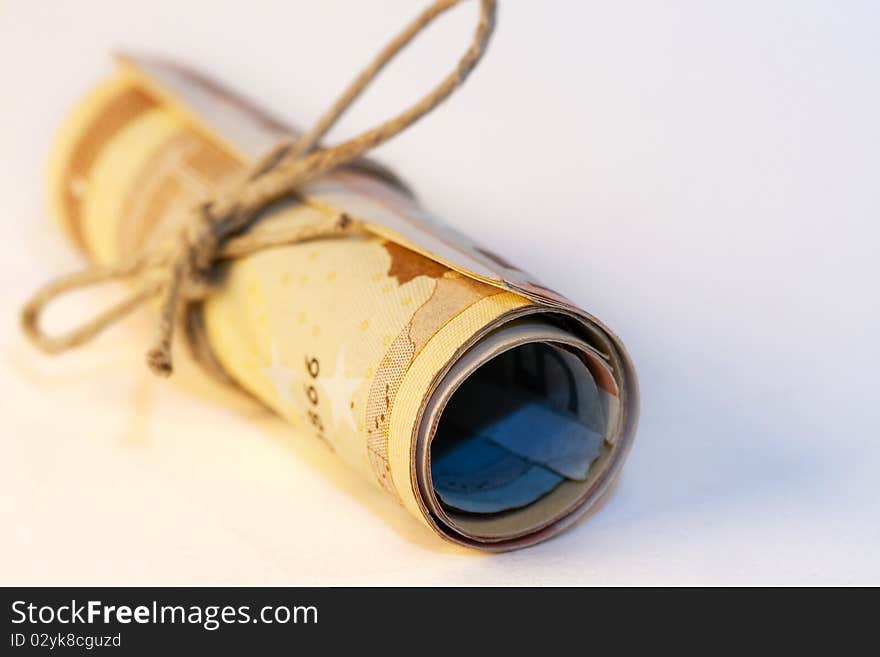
(489, 406)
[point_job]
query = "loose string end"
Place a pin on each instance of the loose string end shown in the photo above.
(159, 361)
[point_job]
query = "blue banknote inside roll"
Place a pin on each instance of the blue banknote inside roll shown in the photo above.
(523, 423)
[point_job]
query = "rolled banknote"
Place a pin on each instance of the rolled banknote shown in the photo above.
(492, 408)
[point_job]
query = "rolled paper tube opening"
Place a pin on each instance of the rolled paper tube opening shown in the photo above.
(518, 434)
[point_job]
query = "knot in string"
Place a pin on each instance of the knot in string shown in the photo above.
(217, 228)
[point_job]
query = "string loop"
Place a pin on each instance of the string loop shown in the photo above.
(181, 273)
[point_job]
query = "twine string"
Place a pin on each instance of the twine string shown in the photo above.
(180, 274)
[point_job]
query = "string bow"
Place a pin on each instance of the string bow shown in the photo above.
(217, 228)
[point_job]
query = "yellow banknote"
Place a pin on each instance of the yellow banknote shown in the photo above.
(487, 405)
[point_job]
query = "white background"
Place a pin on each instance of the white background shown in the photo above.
(701, 176)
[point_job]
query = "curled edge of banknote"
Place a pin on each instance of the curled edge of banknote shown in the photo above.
(522, 313)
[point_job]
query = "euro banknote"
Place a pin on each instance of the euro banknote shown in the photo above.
(492, 408)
